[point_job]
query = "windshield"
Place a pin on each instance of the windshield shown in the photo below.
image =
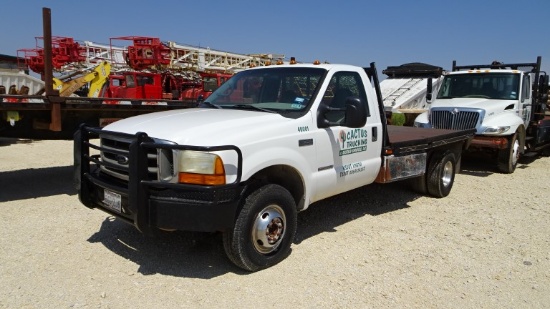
(502, 86)
(271, 89)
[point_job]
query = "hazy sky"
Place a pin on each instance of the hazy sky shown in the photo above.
(353, 32)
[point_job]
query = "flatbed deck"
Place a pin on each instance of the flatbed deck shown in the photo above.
(406, 140)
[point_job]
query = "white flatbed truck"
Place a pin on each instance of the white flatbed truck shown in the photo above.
(264, 146)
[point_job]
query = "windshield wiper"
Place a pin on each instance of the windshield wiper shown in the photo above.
(248, 106)
(208, 104)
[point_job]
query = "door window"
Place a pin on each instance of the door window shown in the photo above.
(525, 91)
(342, 86)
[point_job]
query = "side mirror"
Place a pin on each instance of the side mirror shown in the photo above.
(322, 121)
(429, 90)
(356, 113)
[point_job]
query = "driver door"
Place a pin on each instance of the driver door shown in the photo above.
(347, 158)
(525, 104)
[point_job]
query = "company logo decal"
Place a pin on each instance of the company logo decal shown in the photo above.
(352, 141)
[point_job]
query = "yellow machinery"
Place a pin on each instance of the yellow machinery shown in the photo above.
(96, 79)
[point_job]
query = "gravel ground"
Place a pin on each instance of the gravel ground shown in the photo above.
(486, 245)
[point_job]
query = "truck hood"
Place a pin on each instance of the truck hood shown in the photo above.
(200, 126)
(491, 106)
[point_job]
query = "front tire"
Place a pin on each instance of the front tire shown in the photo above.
(264, 229)
(441, 174)
(508, 158)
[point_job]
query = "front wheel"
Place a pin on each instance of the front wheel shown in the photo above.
(508, 157)
(264, 229)
(441, 174)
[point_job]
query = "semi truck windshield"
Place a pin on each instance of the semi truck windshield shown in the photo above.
(501, 86)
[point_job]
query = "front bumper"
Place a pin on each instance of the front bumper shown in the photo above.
(152, 204)
(494, 142)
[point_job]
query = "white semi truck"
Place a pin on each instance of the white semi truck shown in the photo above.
(505, 103)
(264, 146)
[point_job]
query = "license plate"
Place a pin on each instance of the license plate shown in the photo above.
(112, 200)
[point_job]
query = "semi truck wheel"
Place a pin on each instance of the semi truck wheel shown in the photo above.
(508, 158)
(441, 173)
(264, 229)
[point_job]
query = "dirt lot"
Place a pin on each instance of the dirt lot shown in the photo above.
(486, 245)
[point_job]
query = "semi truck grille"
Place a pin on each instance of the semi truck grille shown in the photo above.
(115, 155)
(455, 119)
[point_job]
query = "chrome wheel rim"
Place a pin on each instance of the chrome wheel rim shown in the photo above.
(515, 152)
(269, 229)
(447, 174)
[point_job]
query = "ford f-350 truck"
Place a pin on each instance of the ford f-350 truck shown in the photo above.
(264, 146)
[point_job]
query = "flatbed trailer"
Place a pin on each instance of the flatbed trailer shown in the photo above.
(54, 117)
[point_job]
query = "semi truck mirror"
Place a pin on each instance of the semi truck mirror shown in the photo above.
(543, 87)
(429, 90)
(388, 114)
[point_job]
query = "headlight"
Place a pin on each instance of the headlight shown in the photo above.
(423, 120)
(496, 130)
(201, 168)
(418, 124)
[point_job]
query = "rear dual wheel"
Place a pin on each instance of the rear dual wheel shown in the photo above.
(441, 174)
(439, 177)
